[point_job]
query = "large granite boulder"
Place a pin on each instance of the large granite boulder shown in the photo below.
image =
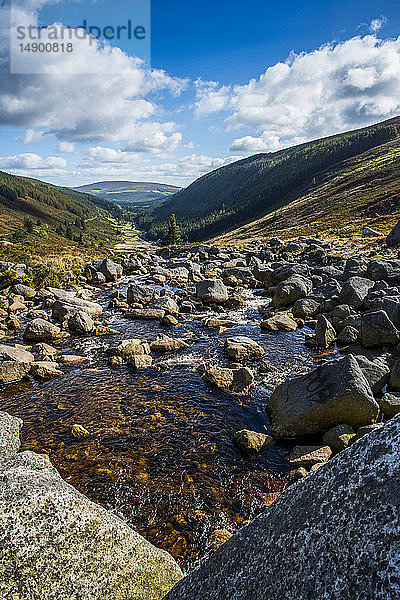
(15, 363)
(334, 393)
(355, 290)
(40, 330)
(9, 435)
(111, 270)
(142, 294)
(67, 303)
(378, 330)
(55, 543)
(292, 289)
(211, 291)
(333, 535)
(242, 348)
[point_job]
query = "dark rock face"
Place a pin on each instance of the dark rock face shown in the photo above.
(332, 536)
(393, 239)
(291, 289)
(335, 393)
(378, 330)
(355, 291)
(81, 322)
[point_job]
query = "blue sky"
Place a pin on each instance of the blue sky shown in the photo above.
(225, 80)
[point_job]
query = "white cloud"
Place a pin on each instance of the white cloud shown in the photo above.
(29, 161)
(116, 101)
(377, 24)
(66, 147)
(31, 136)
(335, 88)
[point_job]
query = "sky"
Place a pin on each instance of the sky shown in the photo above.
(203, 84)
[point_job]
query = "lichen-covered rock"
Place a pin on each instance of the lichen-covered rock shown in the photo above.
(242, 348)
(290, 290)
(67, 303)
(378, 330)
(331, 536)
(390, 404)
(307, 456)
(45, 369)
(238, 381)
(376, 372)
(163, 343)
(252, 441)
(142, 294)
(334, 393)
(325, 334)
(9, 435)
(55, 543)
(15, 363)
(211, 291)
(40, 330)
(279, 322)
(81, 322)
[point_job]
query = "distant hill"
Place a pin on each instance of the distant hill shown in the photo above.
(31, 209)
(132, 195)
(246, 190)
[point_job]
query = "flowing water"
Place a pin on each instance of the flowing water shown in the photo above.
(160, 451)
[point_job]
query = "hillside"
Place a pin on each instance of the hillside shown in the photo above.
(248, 189)
(33, 211)
(131, 195)
(361, 191)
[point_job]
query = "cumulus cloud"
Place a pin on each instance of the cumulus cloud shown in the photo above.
(95, 94)
(67, 147)
(31, 136)
(312, 94)
(29, 161)
(377, 24)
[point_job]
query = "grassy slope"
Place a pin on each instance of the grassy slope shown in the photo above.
(248, 189)
(363, 190)
(53, 207)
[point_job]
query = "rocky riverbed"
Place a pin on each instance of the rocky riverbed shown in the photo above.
(148, 383)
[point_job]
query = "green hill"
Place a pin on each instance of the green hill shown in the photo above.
(131, 195)
(246, 190)
(33, 210)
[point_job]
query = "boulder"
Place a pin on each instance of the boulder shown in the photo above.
(142, 294)
(211, 291)
(15, 363)
(9, 435)
(251, 441)
(132, 347)
(45, 369)
(325, 333)
(149, 314)
(40, 330)
(290, 290)
(334, 393)
(390, 404)
(55, 543)
(307, 456)
(305, 308)
(279, 322)
(393, 238)
(140, 361)
(111, 271)
(332, 535)
(242, 348)
(348, 335)
(394, 378)
(376, 372)
(355, 290)
(167, 344)
(68, 303)
(166, 304)
(237, 381)
(27, 292)
(338, 438)
(81, 323)
(378, 330)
